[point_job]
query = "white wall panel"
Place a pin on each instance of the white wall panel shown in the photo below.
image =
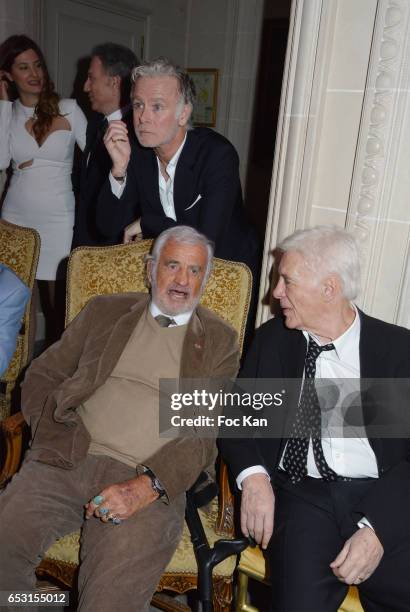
(70, 28)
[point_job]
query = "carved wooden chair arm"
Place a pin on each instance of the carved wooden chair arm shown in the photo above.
(12, 430)
(225, 520)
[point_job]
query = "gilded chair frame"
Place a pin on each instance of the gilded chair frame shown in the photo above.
(229, 287)
(19, 250)
(252, 565)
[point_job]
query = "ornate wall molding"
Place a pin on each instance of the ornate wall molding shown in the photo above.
(374, 174)
(370, 208)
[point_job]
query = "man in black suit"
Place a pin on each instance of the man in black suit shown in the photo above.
(108, 87)
(179, 175)
(341, 506)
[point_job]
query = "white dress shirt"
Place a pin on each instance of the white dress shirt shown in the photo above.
(180, 319)
(166, 187)
(352, 457)
(117, 114)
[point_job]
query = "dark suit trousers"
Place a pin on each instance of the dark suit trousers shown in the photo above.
(120, 565)
(313, 520)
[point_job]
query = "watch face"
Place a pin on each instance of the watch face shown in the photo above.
(157, 487)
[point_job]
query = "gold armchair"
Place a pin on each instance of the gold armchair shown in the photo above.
(96, 271)
(252, 565)
(19, 250)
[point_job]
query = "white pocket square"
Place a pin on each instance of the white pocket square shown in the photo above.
(193, 203)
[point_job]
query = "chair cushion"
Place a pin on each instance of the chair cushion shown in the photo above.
(351, 602)
(67, 548)
(252, 563)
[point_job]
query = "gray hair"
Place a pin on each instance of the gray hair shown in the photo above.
(184, 235)
(162, 66)
(331, 250)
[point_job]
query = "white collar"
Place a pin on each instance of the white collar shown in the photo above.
(180, 319)
(172, 164)
(343, 343)
(117, 114)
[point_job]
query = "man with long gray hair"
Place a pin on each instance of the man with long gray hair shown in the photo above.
(180, 175)
(338, 507)
(96, 460)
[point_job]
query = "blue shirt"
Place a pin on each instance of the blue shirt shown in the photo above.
(14, 295)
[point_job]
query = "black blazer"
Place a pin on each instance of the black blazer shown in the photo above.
(384, 349)
(92, 178)
(207, 196)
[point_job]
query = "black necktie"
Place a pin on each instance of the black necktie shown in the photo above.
(164, 321)
(308, 424)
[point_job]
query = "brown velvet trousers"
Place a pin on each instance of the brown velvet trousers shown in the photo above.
(120, 565)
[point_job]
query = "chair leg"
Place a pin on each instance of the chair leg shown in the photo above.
(242, 604)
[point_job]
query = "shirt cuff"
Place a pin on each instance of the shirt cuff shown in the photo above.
(254, 469)
(117, 188)
(364, 523)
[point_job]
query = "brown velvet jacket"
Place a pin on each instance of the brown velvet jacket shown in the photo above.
(71, 370)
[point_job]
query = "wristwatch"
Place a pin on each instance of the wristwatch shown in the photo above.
(155, 483)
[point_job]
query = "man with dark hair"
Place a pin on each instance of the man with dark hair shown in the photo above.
(108, 86)
(179, 175)
(97, 460)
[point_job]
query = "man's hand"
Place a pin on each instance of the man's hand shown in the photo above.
(118, 146)
(359, 557)
(123, 499)
(257, 508)
(4, 86)
(132, 231)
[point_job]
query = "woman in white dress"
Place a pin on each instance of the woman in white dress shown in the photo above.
(38, 132)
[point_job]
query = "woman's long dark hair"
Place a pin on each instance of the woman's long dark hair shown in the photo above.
(47, 105)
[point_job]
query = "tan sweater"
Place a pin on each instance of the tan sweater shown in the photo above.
(122, 415)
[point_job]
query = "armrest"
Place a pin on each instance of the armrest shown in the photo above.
(225, 521)
(12, 430)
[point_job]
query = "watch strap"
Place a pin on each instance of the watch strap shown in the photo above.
(155, 482)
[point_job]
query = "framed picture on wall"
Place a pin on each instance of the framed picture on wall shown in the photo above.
(206, 86)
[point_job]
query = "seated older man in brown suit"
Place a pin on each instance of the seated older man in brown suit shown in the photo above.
(92, 403)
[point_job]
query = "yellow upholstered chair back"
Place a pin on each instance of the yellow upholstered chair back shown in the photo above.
(19, 250)
(96, 271)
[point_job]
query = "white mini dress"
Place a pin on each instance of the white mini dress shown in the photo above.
(40, 195)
